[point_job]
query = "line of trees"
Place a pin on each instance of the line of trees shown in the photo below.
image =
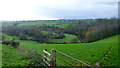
(34, 31)
(95, 30)
(23, 32)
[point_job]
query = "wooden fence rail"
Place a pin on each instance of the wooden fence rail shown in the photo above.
(50, 58)
(72, 58)
(66, 61)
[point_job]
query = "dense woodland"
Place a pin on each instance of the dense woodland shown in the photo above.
(85, 30)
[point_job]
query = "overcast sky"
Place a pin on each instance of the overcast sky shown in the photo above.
(56, 9)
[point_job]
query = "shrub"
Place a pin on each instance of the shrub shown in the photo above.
(11, 43)
(6, 42)
(15, 44)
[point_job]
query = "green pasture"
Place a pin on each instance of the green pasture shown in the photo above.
(12, 57)
(86, 52)
(36, 24)
(68, 39)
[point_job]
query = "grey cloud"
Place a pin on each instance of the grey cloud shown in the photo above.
(83, 10)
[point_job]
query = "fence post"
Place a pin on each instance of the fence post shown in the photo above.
(53, 59)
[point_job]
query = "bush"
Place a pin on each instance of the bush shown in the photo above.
(75, 40)
(6, 42)
(11, 43)
(61, 35)
(15, 44)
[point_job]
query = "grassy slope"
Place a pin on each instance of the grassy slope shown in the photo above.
(112, 59)
(86, 52)
(7, 37)
(0, 49)
(11, 57)
(0, 55)
(45, 32)
(68, 39)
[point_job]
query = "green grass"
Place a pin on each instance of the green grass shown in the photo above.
(36, 24)
(86, 52)
(62, 25)
(11, 57)
(29, 37)
(7, 24)
(1, 37)
(112, 58)
(0, 55)
(68, 39)
(7, 37)
(45, 23)
(45, 32)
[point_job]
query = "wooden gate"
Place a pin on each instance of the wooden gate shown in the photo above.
(49, 58)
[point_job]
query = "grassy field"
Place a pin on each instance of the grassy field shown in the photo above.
(37, 24)
(68, 39)
(9, 24)
(62, 25)
(12, 57)
(48, 24)
(0, 55)
(86, 52)
(45, 32)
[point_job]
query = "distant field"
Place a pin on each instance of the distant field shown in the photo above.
(68, 39)
(8, 24)
(45, 32)
(39, 24)
(86, 52)
(36, 24)
(45, 23)
(62, 25)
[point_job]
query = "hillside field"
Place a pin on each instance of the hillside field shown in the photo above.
(68, 39)
(86, 52)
